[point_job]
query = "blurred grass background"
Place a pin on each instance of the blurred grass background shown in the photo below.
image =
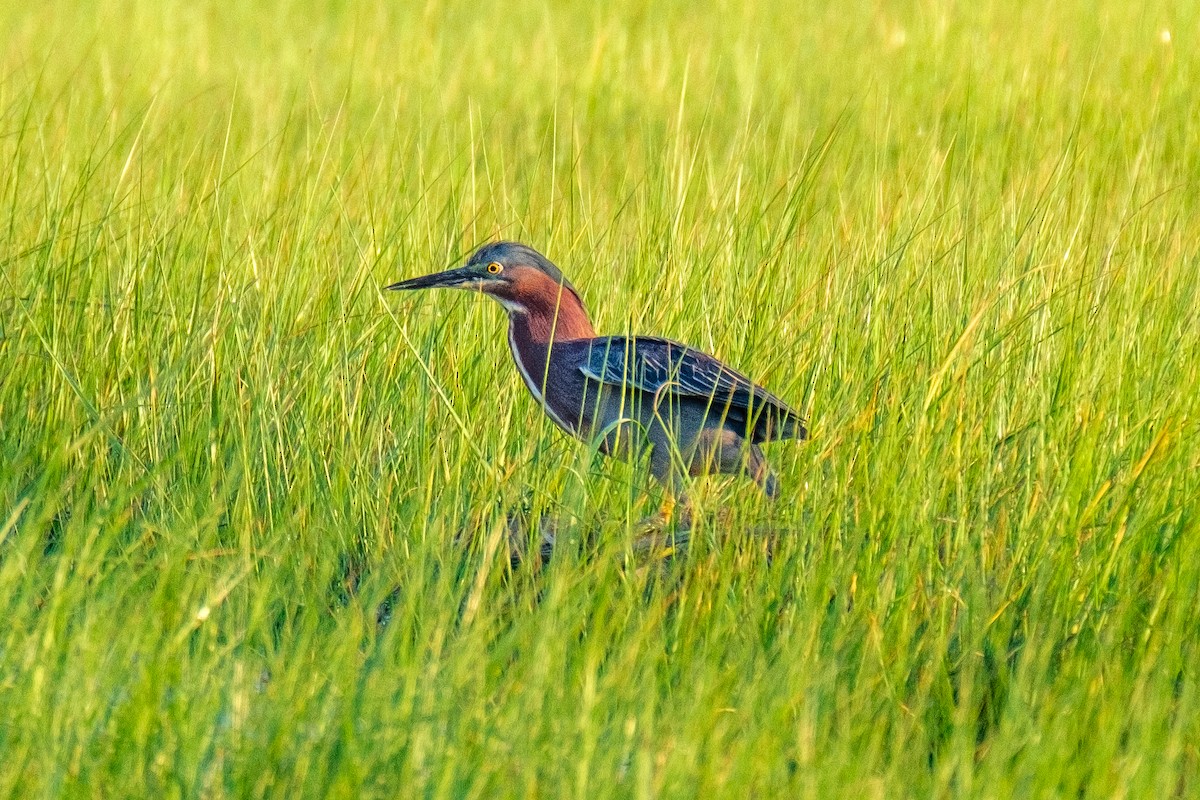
(961, 236)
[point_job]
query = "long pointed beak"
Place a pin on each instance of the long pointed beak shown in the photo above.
(459, 277)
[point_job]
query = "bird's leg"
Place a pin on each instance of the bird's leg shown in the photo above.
(729, 453)
(760, 471)
(677, 503)
(676, 507)
(667, 507)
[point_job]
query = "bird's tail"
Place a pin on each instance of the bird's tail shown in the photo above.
(778, 424)
(793, 428)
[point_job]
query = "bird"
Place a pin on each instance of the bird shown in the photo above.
(625, 394)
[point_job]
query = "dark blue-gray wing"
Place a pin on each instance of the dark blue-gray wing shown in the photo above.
(659, 365)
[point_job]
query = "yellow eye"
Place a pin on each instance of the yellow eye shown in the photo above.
(495, 268)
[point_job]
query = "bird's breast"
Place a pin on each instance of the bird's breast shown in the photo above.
(556, 387)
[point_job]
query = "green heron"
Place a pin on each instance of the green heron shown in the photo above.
(624, 393)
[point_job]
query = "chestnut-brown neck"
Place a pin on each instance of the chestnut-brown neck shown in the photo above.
(543, 326)
(542, 311)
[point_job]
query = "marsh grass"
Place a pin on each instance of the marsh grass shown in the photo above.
(962, 237)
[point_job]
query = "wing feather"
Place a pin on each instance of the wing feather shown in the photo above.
(651, 364)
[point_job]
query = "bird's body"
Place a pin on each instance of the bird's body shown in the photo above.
(624, 393)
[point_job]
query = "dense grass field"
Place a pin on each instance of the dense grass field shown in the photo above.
(253, 510)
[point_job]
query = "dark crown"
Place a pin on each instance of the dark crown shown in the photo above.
(511, 254)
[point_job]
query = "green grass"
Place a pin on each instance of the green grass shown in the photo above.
(961, 236)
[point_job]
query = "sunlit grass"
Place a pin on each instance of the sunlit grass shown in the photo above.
(961, 237)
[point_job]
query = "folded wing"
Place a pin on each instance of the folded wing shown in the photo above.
(658, 366)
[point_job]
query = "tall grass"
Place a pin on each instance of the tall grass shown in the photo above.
(961, 236)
